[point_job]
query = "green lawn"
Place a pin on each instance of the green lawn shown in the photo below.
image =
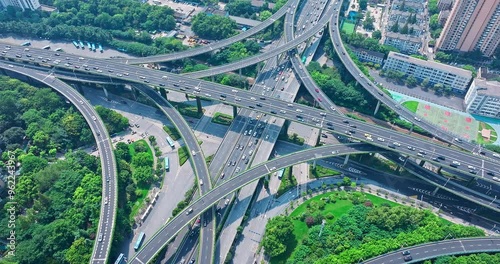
(411, 105)
(348, 27)
(142, 190)
(221, 118)
(183, 155)
(172, 132)
(321, 171)
(480, 139)
(353, 116)
(340, 207)
(295, 139)
(186, 109)
(288, 181)
(209, 159)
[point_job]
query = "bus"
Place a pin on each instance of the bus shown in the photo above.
(304, 59)
(100, 48)
(170, 142)
(46, 47)
(93, 47)
(121, 259)
(27, 43)
(76, 44)
(81, 45)
(167, 164)
(280, 173)
(139, 241)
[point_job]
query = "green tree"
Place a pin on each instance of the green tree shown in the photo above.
(363, 4)
(213, 27)
(278, 234)
(377, 34)
(411, 81)
(143, 175)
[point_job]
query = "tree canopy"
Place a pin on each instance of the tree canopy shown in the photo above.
(213, 26)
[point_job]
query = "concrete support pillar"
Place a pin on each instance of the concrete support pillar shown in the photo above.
(212, 78)
(284, 129)
(78, 87)
(376, 108)
(239, 71)
(135, 93)
(277, 60)
(397, 168)
(235, 111)
(435, 191)
(105, 92)
(314, 164)
(163, 93)
(439, 169)
(198, 104)
(411, 128)
(346, 159)
(318, 140)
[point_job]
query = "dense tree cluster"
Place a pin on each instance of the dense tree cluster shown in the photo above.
(241, 8)
(113, 120)
(235, 52)
(482, 258)
(57, 209)
(213, 26)
(279, 231)
(364, 232)
(40, 117)
(103, 22)
(359, 41)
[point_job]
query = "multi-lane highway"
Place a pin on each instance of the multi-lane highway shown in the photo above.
(387, 100)
(168, 231)
(218, 44)
(271, 52)
(433, 250)
(107, 216)
(359, 130)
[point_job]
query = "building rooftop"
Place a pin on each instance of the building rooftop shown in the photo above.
(402, 37)
(491, 88)
(405, 14)
(431, 64)
(245, 21)
(372, 53)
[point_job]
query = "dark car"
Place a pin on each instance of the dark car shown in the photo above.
(405, 253)
(408, 258)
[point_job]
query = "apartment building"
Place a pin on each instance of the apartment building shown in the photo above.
(483, 98)
(445, 4)
(404, 43)
(23, 4)
(409, 5)
(456, 78)
(365, 55)
(471, 25)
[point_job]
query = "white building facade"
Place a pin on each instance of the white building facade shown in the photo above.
(483, 98)
(456, 78)
(23, 4)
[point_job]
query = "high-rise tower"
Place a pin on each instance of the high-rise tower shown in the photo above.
(471, 25)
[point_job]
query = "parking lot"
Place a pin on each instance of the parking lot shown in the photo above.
(67, 47)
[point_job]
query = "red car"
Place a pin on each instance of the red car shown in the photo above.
(319, 99)
(317, 90)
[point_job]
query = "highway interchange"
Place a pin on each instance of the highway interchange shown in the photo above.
(108, 164)
(292, 111)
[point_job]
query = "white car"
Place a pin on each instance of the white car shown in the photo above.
(418, 119)
(380, 139)
(456, 163)
(94, 118)
(496, 155)
(496, 179)
(193, 152)
(397, 144)
(471, 167)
